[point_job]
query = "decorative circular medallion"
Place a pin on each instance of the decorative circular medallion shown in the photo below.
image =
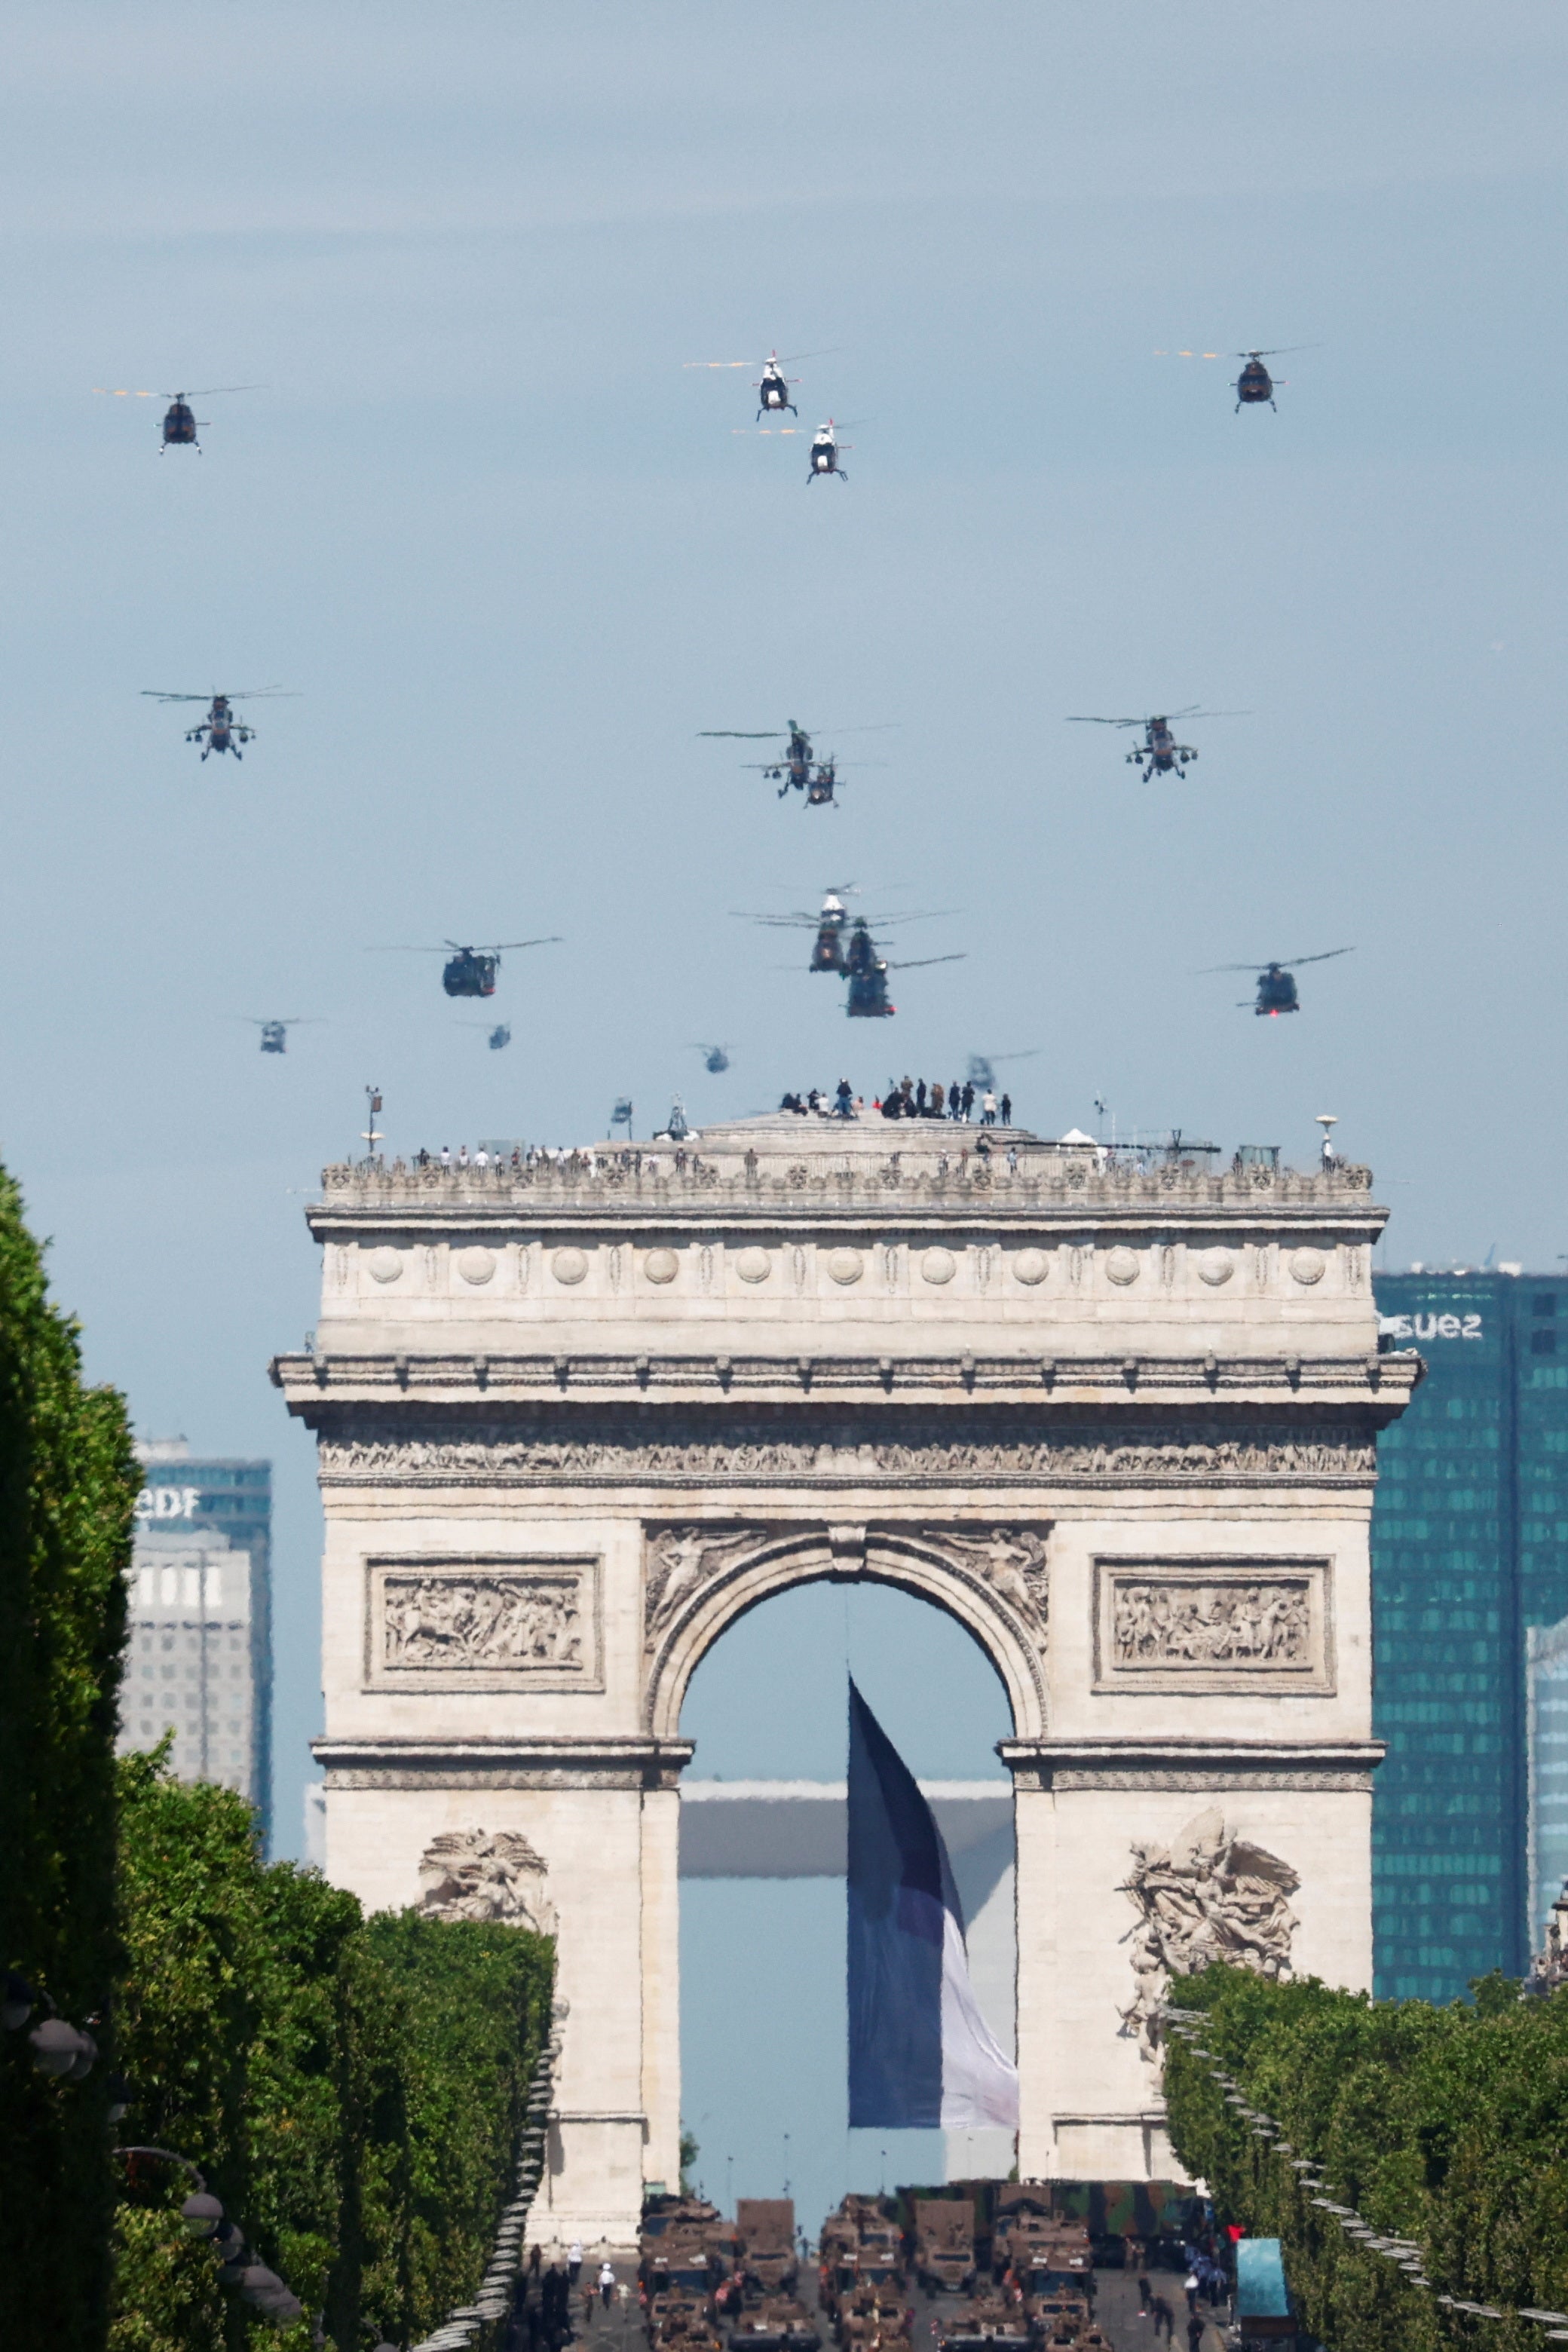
(939, 1266)
(1308, 1266)
(386, 1264)
(1215, 1266)
(568, 1265)
(476, 1265)
(754, 1265)
(1031, 1266)
(661, 1265)
(846, 1265)
(1121, 1266)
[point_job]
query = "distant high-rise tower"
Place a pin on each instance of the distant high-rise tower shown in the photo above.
(1470, 1549)
(199, 1659)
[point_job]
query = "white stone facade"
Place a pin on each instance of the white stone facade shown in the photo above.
(1119, 1421)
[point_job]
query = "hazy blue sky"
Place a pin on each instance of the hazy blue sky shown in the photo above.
(513, 557)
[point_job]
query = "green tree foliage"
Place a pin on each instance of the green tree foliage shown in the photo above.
(352, 2090)
(1447, 2125)
(68, 1481)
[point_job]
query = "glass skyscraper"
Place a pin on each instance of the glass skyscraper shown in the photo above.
(1470, 1548)
(199, 1658)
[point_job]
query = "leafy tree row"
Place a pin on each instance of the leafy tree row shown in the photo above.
(353, 2089)
(1447, 2125)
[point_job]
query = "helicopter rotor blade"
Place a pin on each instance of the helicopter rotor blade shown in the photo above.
(1078, 718)
(920, 962)
(120, 391)
(765, 432)
(789, 359)
(1278, 352)
(504, 947)
(740, 734)
(1328, 955)
(207, 392)
(153, 694)
(722, 364)
(1189, 355)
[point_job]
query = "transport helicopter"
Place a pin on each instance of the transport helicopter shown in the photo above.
(773, 387)
(220, 731)
(1255, 385)
(982, 1070)
(715, 1058)
(497, 1038)
(180, 420)
(1161, 754)
(470, 971)
(867, 971)
(1277, 981)
(275, 1034)
(830, 923)
(797, 767)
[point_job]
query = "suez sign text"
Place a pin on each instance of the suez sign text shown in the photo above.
(167, 1502)
(1430, 1326)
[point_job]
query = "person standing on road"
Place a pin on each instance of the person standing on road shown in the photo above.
(606, 2283)
(574, 2262)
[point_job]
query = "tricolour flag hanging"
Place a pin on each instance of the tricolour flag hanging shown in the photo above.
(921, 2055)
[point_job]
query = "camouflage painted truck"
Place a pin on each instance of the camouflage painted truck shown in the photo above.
(944, 2244)
(764, 2244)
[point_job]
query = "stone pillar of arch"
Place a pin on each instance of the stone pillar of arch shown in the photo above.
(1116, 1415)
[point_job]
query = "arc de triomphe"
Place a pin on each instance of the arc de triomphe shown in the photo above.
(573, 1420)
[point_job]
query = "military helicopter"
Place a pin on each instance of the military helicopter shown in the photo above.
(715, 1058)
(1164, 756)
(1277, 982)
(982, 1070)
(275, 1034)
(772, 385)
(494, 1038)
(867, 971)
(220, 731)
(471, 971)
(824, 452)
(179, 421)
(830, 923)
(798, 768)
(1255, 384)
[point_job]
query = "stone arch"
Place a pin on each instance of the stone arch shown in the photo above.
(700, 1579)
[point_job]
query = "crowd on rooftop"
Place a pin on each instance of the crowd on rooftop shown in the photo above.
(908, 1098)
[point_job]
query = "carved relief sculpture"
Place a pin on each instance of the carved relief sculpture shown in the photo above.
(480, 1621)
(680, 1559)
(1013, 1560)
(1210, 1624)
(473, 1874)
(1206, 1896)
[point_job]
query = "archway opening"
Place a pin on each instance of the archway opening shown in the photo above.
(762, 1904)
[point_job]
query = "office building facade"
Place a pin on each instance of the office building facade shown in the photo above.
(199, 1656)
(1469, 1551)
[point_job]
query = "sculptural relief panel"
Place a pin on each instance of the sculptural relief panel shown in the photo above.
(482, 1623)
(1213, 1624)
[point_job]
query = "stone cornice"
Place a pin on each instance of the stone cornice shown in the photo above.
(1377, 1384)
(1188, 1764)
(504, 1763)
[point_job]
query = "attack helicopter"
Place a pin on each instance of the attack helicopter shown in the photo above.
(470, 971)
(1255, 385)
(275, 1034)
(1277, 981)
(180, 420)
(772, 386)
(1162, 752)
(496, 1038)
(715, 1058)
(797, 767)
(220, 731)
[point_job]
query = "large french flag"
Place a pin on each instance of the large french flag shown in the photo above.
(921, 2055)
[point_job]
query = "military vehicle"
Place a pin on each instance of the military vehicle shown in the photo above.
(778, 2323)
(681, 2321)
(944, 2243)
(874, 2312)
(764, 2244)
(989, 2321)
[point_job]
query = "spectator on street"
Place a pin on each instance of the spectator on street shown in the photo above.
(1190, 2283)
(1164, 2317)
(606, 2283)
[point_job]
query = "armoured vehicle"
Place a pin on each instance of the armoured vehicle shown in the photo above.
(944, 2243)
(778, 2323)
(991, 2323)
(765, 2243)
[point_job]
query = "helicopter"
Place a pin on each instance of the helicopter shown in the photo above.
(275, 1034)
(798, 768)
(494, 1038)
(471, 971)
(867, 973)
(824, 452)
(715, 1058)
(1255, 384)
(982, 1070)
(772, 386)
(1161, 749)
(1277, 981)
(830, 923)
(220, 731)
(180, 420)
